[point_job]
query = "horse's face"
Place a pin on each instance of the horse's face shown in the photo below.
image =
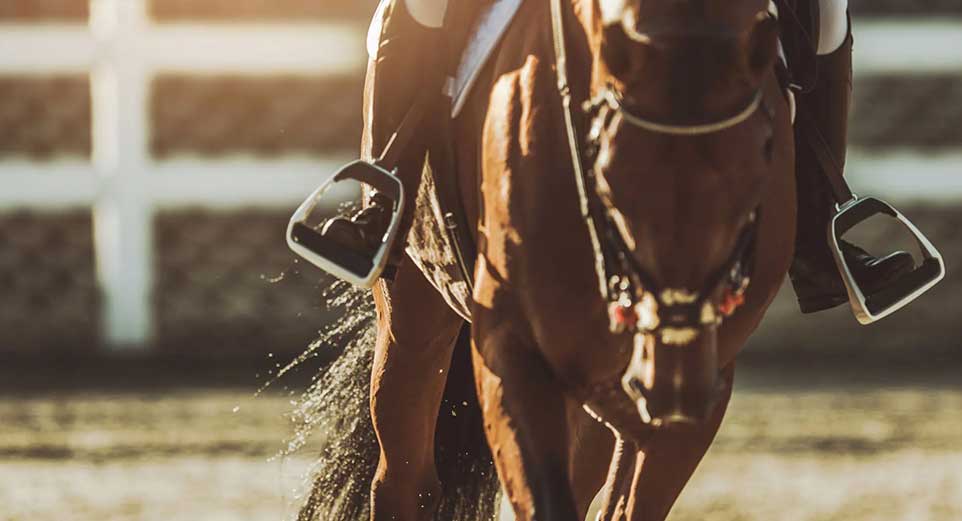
(681, 202)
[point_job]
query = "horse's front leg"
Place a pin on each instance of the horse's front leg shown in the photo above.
(416, 336)
(618, 489)
(526, 425)
(669, 458)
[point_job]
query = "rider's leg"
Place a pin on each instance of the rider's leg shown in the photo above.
(814, 274)
(405, 63)
(429, 13)
(833, 25)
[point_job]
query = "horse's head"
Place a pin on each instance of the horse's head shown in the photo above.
(683, 145)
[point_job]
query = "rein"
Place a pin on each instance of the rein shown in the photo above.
(635, 302)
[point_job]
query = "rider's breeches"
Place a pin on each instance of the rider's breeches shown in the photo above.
(429, 13)
(833, 25)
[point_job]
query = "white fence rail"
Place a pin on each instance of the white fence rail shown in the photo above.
(122, 50)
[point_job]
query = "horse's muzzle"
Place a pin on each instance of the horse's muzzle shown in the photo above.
(675, 384)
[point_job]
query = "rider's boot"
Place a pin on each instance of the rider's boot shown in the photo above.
(408, 63)
(814, 273)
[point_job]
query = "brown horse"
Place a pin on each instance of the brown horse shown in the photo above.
(687, 151)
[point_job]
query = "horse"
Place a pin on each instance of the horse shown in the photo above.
(625, 255)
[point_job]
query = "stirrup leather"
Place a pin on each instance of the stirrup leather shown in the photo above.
(872, 308)
(332, 257)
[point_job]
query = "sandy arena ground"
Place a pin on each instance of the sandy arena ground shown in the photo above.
(846, 452)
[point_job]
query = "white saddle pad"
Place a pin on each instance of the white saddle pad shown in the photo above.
(488, 30)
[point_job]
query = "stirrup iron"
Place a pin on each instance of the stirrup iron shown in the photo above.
(872, 308)
(320, 251)
(380, 175)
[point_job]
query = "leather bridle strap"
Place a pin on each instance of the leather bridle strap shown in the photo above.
(591, 217)
(814, 138)
(614, 101)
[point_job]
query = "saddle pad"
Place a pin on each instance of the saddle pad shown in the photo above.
(492, 23)
(430, 246)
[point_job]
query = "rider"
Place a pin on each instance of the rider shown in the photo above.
(406, 63)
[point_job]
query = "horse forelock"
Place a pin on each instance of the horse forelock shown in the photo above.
(679, 18)
(704, 72)
(693, 53)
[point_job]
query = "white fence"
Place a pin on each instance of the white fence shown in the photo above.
(122, 50)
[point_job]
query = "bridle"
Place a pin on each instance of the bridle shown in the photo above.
(637, 303)
(615, 101)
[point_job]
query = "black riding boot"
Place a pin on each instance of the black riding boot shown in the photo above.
(408, 63)
(815, 276)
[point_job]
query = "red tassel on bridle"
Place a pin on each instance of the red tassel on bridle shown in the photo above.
(731, 301)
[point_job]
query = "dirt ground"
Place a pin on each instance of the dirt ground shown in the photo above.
(788, 451)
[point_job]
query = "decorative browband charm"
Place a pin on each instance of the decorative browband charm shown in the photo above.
(733, 298)
(622, 317)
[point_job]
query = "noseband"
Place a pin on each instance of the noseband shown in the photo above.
(636, 302)
(615, 101)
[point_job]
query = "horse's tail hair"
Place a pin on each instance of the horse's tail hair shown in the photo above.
(337, 406)
(469, 482)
